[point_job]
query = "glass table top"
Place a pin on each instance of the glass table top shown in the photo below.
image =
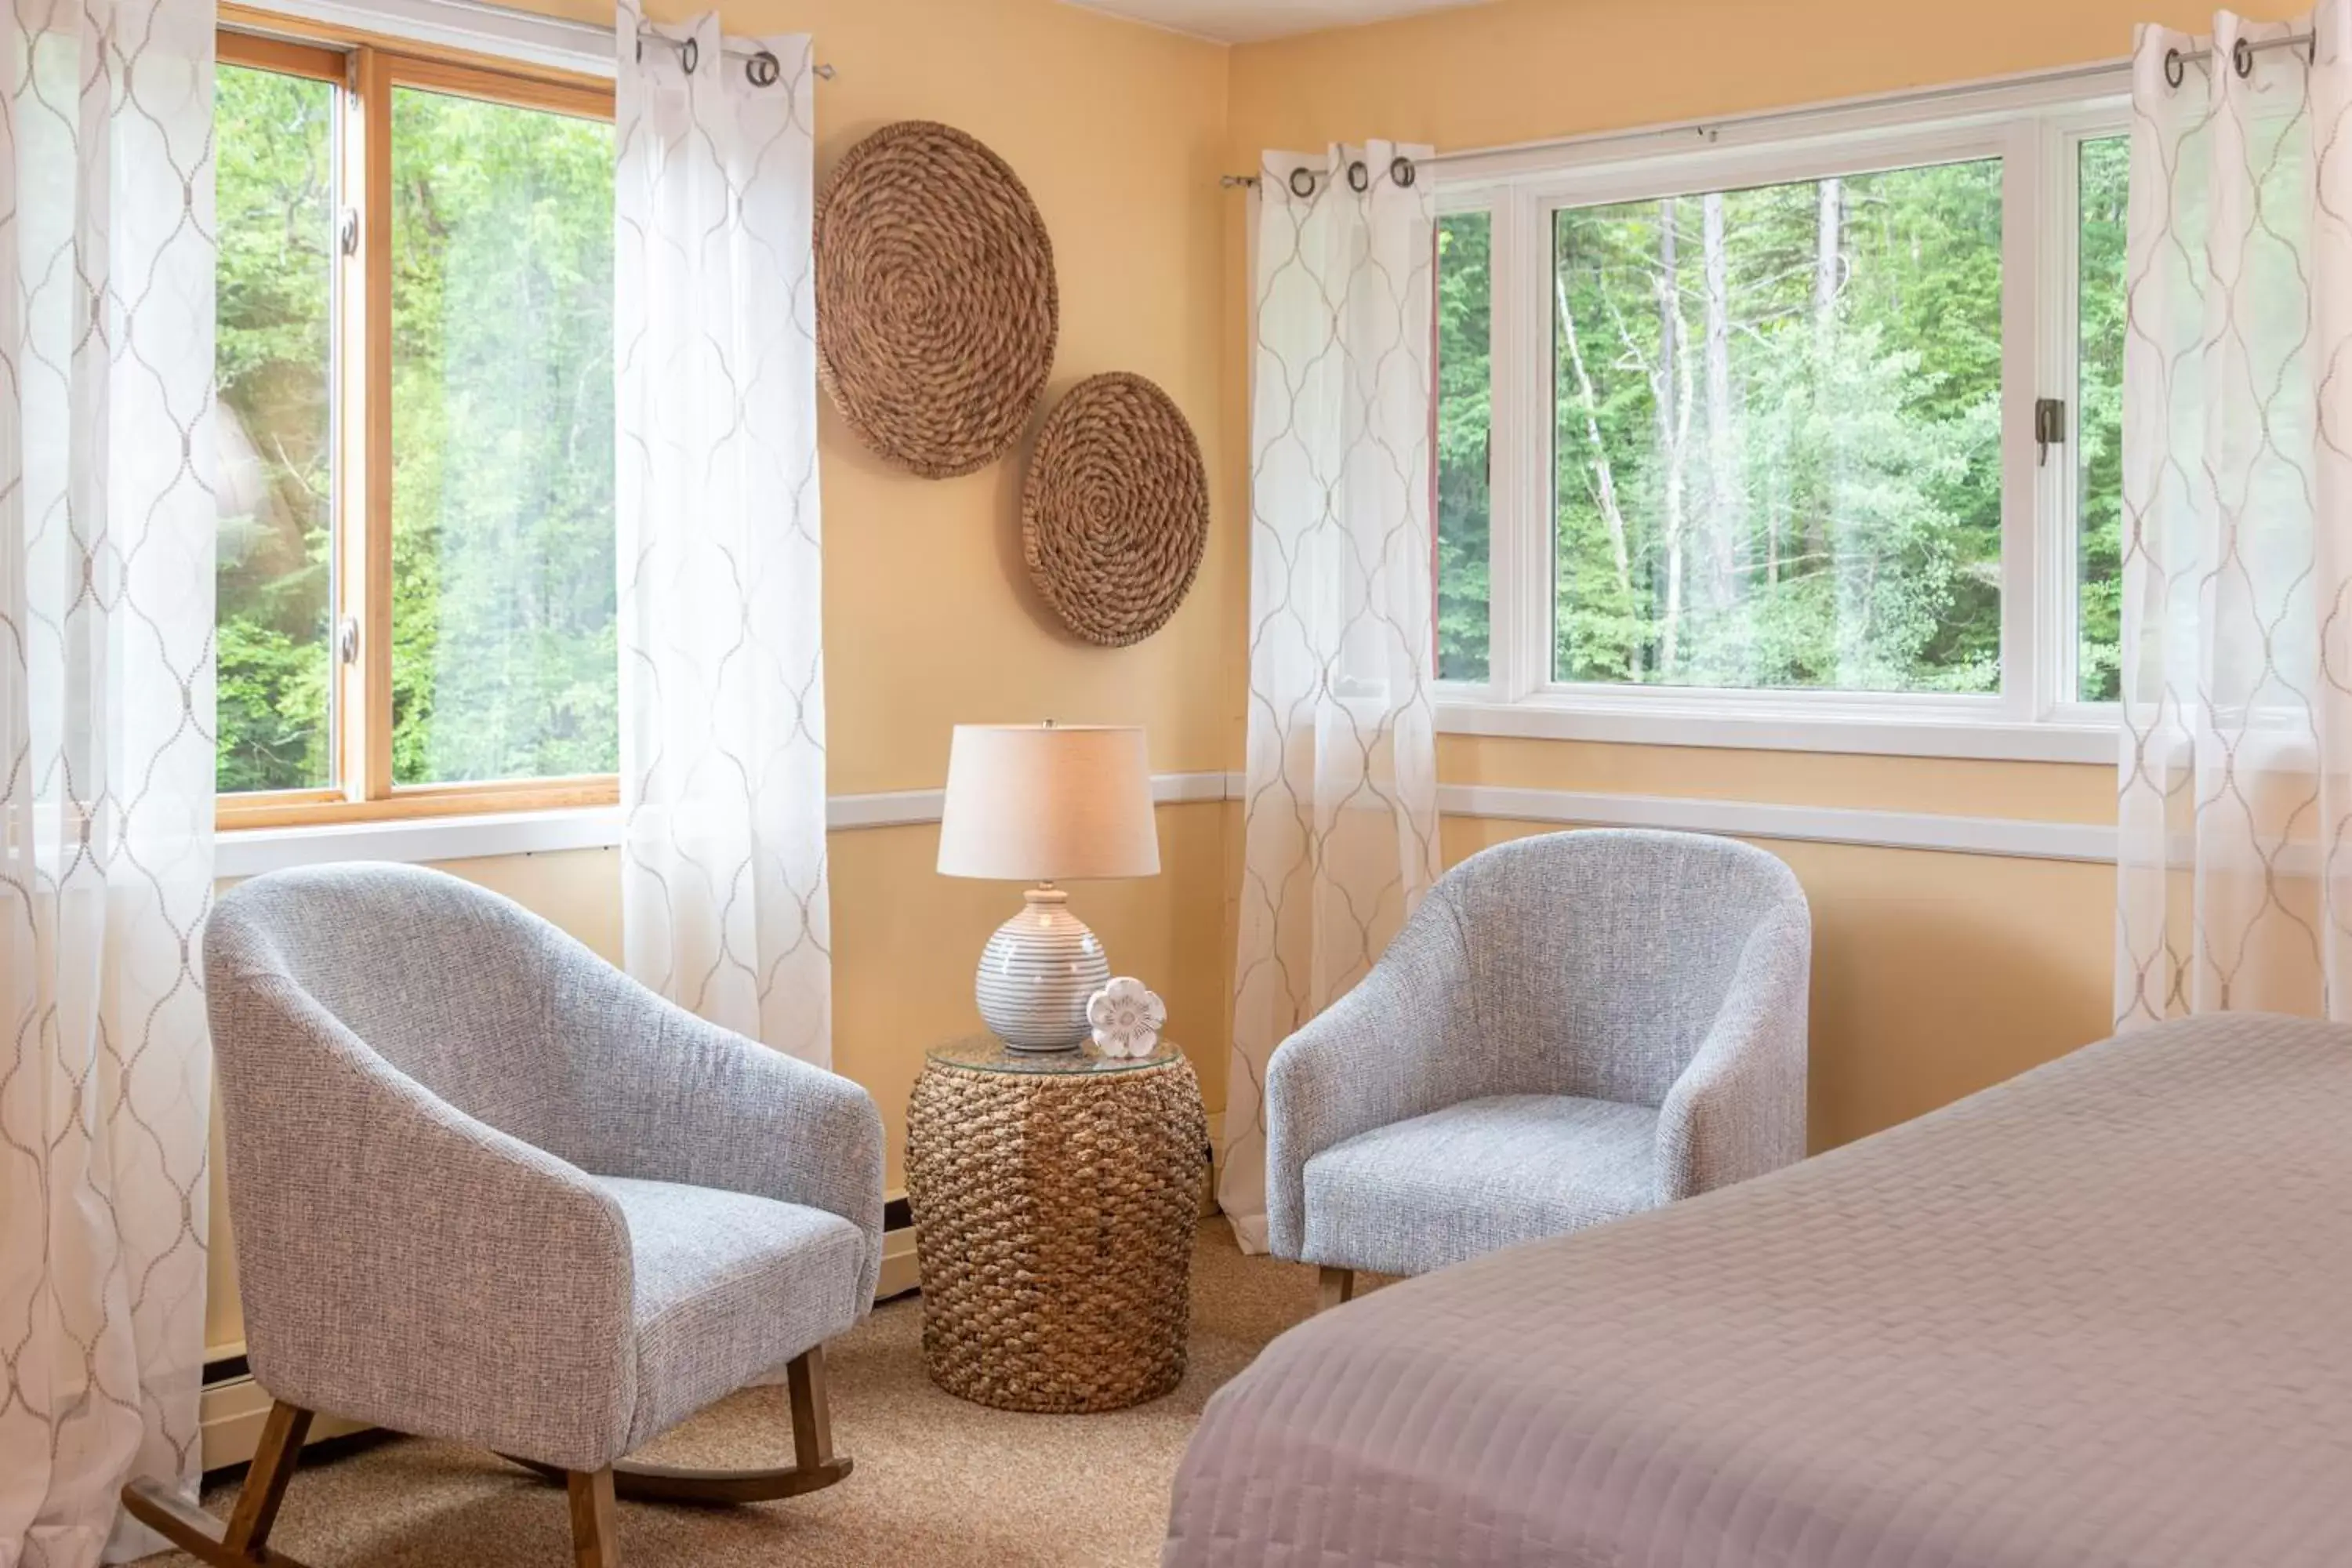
(986, 1053)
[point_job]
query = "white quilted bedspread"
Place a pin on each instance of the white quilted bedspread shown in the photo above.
(2100, 1316)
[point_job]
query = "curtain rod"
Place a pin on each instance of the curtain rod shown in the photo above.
(1403, 171)
(1708, 129)
(2055, 77)
(2241, 54)
(2060, 76)
(760, 67)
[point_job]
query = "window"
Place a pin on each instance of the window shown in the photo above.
(2099, 421)
(1464, 420)
(275, 369)
(1738, 443)
(416, 585)
(1778, 463)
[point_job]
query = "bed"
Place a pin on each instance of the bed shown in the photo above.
(2097, 1317)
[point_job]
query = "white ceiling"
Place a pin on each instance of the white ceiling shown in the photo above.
(1248, 21)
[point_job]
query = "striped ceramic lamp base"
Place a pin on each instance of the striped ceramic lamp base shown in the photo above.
(1037, 972)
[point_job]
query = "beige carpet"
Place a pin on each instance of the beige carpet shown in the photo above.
(938, 1481)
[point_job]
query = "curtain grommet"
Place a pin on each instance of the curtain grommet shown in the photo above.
(1401, 172)
(2176, 69)
(762, 70)
(1302, 182)
(1359, 179)
(2242, 57)
(689, 54)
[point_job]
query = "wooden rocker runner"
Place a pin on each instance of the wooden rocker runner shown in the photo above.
(495, 1218)
(243, 1539)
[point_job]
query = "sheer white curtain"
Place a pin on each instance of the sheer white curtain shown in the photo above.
(722, 673)
(1341, 800)
(2234, 887)
(106, 725)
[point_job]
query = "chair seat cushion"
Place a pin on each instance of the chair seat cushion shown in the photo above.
(729, 1287)
(1483, 1174)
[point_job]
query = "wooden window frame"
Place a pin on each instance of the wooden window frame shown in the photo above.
(367, 69)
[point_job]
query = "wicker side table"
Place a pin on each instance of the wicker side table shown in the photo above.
(1054, 1196)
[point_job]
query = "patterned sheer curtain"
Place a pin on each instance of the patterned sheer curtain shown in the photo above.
(1341, 801)
(2235, 878)
(723, 900)
(106, 518)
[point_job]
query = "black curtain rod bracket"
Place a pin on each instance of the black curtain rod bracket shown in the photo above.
(760, 67)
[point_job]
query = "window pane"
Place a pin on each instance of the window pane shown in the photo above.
(505, 662)
(1777, 435)
(1464, 402)
(2099, 415)
(275, 288)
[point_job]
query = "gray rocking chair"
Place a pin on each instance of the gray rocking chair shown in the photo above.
(487, 1188)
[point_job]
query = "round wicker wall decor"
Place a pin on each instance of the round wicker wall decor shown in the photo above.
(936, 304)
(1115, 509)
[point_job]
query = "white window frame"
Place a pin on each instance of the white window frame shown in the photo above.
(2035, 126)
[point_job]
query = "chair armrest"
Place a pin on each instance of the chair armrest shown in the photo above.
(672, 1096)
(1377, 1056)
(403, 1264)
(1738, 1108)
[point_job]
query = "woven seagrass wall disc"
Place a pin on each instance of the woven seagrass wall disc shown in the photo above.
(935, 305)
(1115, 509)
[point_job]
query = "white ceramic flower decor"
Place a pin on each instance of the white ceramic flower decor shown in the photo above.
(1127, 1017)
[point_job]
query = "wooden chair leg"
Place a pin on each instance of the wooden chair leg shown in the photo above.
(595, 1544)
(244, 1541)
(283, 1432)
(811, 1411)
(815, 1465)
(1337, 1287)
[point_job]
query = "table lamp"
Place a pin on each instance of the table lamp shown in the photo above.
(1045, 803)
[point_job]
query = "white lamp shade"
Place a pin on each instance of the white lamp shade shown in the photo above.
(1039, 803)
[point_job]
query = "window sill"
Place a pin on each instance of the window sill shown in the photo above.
(250, 851)
(1785, 727)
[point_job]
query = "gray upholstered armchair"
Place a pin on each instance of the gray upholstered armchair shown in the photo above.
(487, 1188)
(1570, 1028)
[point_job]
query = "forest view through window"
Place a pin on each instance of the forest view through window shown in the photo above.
(505, 647)
(495, 407)
(2102, 172)
(1772, 439)
(1777, 442)
(274, 364)
(1464, 421)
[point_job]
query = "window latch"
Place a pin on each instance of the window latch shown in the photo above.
(347, 640)
(2049, 427)
(347, 233)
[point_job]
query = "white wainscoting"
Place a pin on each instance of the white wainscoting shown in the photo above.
(230, 1414)
(899, 1274)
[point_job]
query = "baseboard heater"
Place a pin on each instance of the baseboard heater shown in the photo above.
(234, 1405)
